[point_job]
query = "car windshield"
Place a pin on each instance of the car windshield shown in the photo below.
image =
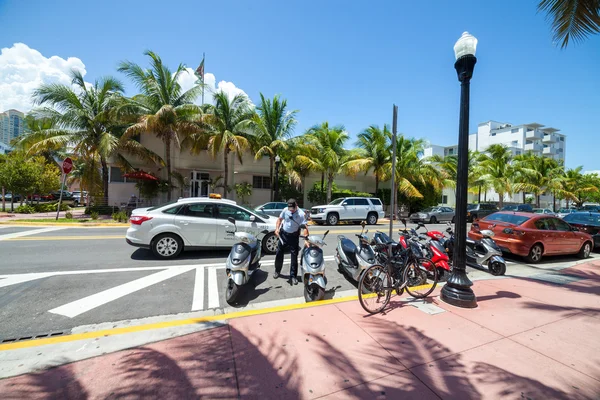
(510, 218)
(583, 218)
(162, 205)
(510, 208)
(471, 206)
(564, 211)
(336, 202)
(538, 210)
(430, 209)
(259, 213)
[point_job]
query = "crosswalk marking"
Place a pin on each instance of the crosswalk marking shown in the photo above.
(78, 307)
(22, 278)
(213, 290)
(29, 233)
(198, 300)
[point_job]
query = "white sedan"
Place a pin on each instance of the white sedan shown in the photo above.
(196, 223)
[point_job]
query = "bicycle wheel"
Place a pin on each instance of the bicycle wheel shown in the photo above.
(374, 289)
(420, 277)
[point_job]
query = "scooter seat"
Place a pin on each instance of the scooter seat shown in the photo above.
(471, 242)
(349, 249)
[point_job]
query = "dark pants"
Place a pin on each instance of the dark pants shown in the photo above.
(290, 241)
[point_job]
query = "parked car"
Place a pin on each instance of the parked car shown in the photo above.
(196, 223)
(355, 209)
(66, 195)
(79, 197)
(590, 207)
(518, 207)
(275, 208)
(533, 235)
(565, 211)
(480, 210)
(588, 222)
(544, 211)
(433, 215)
(8, 196)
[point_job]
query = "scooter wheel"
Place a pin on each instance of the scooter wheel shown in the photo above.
(443, 275)
(313, 292)
(232, 292)
(497, 268)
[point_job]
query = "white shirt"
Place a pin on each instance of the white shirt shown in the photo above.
(292, 221)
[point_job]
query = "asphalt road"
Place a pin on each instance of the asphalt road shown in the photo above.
(54, 279)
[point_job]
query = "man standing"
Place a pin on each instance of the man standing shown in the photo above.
(288, 231)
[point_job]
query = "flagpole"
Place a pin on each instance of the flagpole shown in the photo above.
(203, 58)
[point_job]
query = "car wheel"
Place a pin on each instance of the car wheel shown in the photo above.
(585, 251)
(332, 219)
(167, 246)
(535, 254)
(270, 244)
(433, 220)
(372, 219)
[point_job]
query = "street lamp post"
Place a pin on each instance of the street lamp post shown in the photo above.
(457, 290)
(277, 162)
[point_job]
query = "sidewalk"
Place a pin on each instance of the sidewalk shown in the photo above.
(528, 339)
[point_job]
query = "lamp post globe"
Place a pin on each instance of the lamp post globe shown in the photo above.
(457, 290)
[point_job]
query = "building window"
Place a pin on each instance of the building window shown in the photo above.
(116, 175)
(561, 138)
(518, 152)
(493, 134)
(261, 182)
(450, 152)
(516, 130)
(444, 199)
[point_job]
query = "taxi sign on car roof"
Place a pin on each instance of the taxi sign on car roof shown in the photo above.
(214, 196)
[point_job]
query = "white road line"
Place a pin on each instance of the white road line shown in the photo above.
(198, 301)
(21, 278)
(29, 233)
(77, 307)
(267, 263)
(213, 290)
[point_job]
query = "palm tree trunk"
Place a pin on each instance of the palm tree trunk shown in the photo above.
(104, 179)
(168, 149)
(322, 181)
(226, 168)
(537, 200)
(554, 201)
(500, 200)
(376, 185)
(524, 200)
(329, 186)
(479, 195)
(271, 161)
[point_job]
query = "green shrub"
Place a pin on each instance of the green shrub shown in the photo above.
(115, 216)
(94, 215)
(25, 209)
(102, 210)
(315, 195)
(50, 207)
(121, 216)
(69, 215)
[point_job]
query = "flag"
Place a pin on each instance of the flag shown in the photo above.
(200, 70)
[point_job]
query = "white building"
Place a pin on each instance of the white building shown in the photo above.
(519, 139)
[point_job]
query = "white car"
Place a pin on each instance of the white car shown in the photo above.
(355, 209)
(196, 223)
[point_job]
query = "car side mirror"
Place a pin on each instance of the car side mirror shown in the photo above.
(230, 219)
(344, 204)
(574, 229)
(262, 209)
(252, 218)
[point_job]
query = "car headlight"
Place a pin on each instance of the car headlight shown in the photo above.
(423, 215)
(320, 210)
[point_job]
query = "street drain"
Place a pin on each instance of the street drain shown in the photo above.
(24, 338)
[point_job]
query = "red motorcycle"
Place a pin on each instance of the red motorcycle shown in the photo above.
(436, 251)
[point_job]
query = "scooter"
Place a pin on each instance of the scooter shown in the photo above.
(242, 262)
(437, 253)
(352, 260)
(480, 253)
(312, 267)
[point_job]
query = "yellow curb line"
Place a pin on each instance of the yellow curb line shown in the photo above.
(170, 324)
(167, 324)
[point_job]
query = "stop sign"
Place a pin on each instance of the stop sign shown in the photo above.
(67, 165)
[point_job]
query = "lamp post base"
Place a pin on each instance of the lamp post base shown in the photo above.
(457, 291)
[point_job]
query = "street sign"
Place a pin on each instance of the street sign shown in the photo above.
(67, 165)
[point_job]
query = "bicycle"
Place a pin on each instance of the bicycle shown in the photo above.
(406, 270)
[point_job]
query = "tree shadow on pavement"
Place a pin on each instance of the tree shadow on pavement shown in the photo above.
(199, 365)
(147, 255)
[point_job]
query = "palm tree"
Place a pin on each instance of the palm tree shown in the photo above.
(374, 144)
(86, 173)
(497, 170)
(328, 144)
(572, 19)
(537, 174)
(411, 168)
(225, 127)
(83, 122)
(163, 108)
(576, 185)
(272, 125)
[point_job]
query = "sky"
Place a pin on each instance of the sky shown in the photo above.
(345, 62)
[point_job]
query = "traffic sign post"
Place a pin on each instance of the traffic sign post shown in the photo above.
(67, 167)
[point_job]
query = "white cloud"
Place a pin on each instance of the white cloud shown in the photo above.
(188, 80)
(23, 69)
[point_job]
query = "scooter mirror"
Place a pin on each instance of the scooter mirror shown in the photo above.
(230, 219)
(363, 224)
(403, 221)
(303, 226)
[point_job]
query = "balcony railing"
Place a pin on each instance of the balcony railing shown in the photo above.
(534, 135)
(550, 138)
(535, 147)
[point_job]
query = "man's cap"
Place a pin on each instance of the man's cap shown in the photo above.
(291, 203)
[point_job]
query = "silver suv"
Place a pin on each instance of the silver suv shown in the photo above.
(355, 209)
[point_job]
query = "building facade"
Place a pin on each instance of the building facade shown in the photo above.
(12, 125)
(4, 148)
(519, 139)
(202, 170)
